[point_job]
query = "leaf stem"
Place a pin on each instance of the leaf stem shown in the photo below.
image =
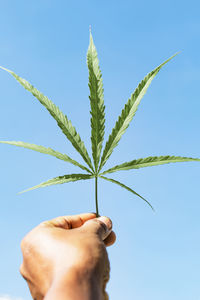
(96, 196)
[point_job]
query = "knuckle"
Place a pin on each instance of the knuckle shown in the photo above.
(23, 243)
(27, 246)
(21, 269)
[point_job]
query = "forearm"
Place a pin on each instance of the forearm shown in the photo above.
(75, 286)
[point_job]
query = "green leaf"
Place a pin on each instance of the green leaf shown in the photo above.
(127, 188)
(128, 113)
(66, 126)
(96, 102)
(149, 162)
(45, 150)
(60, 180)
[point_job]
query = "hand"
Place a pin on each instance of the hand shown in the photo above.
(66, 258)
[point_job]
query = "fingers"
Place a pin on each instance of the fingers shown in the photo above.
(70, 222)
(102, 226)
(110, 240)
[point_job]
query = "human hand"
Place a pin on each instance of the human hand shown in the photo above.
(66, 258)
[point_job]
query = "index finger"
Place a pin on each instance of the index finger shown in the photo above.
(70, 222)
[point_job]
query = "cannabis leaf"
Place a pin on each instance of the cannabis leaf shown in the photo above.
(97, 130)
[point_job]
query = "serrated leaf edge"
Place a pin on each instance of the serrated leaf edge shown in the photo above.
(96, 102)
(60, 180)
(63, 122)
(149, 162)
(128, 113)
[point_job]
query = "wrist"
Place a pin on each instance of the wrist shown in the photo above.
(76, 284)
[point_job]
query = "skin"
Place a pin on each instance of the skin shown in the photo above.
(66, 258)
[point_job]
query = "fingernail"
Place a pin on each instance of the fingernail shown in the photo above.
(106, 221)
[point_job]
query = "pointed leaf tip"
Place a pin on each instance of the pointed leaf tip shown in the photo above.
(60, 180)
(9, 71)
(45, 150)
(127, 188)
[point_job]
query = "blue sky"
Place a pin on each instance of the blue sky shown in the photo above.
(156, 255)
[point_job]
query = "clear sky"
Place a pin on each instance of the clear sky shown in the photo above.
(156, 255)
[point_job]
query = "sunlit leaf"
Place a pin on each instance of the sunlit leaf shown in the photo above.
(149, 162)
(128, 113)
(96, 102)
(60, 180)
(97, 130)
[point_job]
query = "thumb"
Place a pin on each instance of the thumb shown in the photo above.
(102, 226)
